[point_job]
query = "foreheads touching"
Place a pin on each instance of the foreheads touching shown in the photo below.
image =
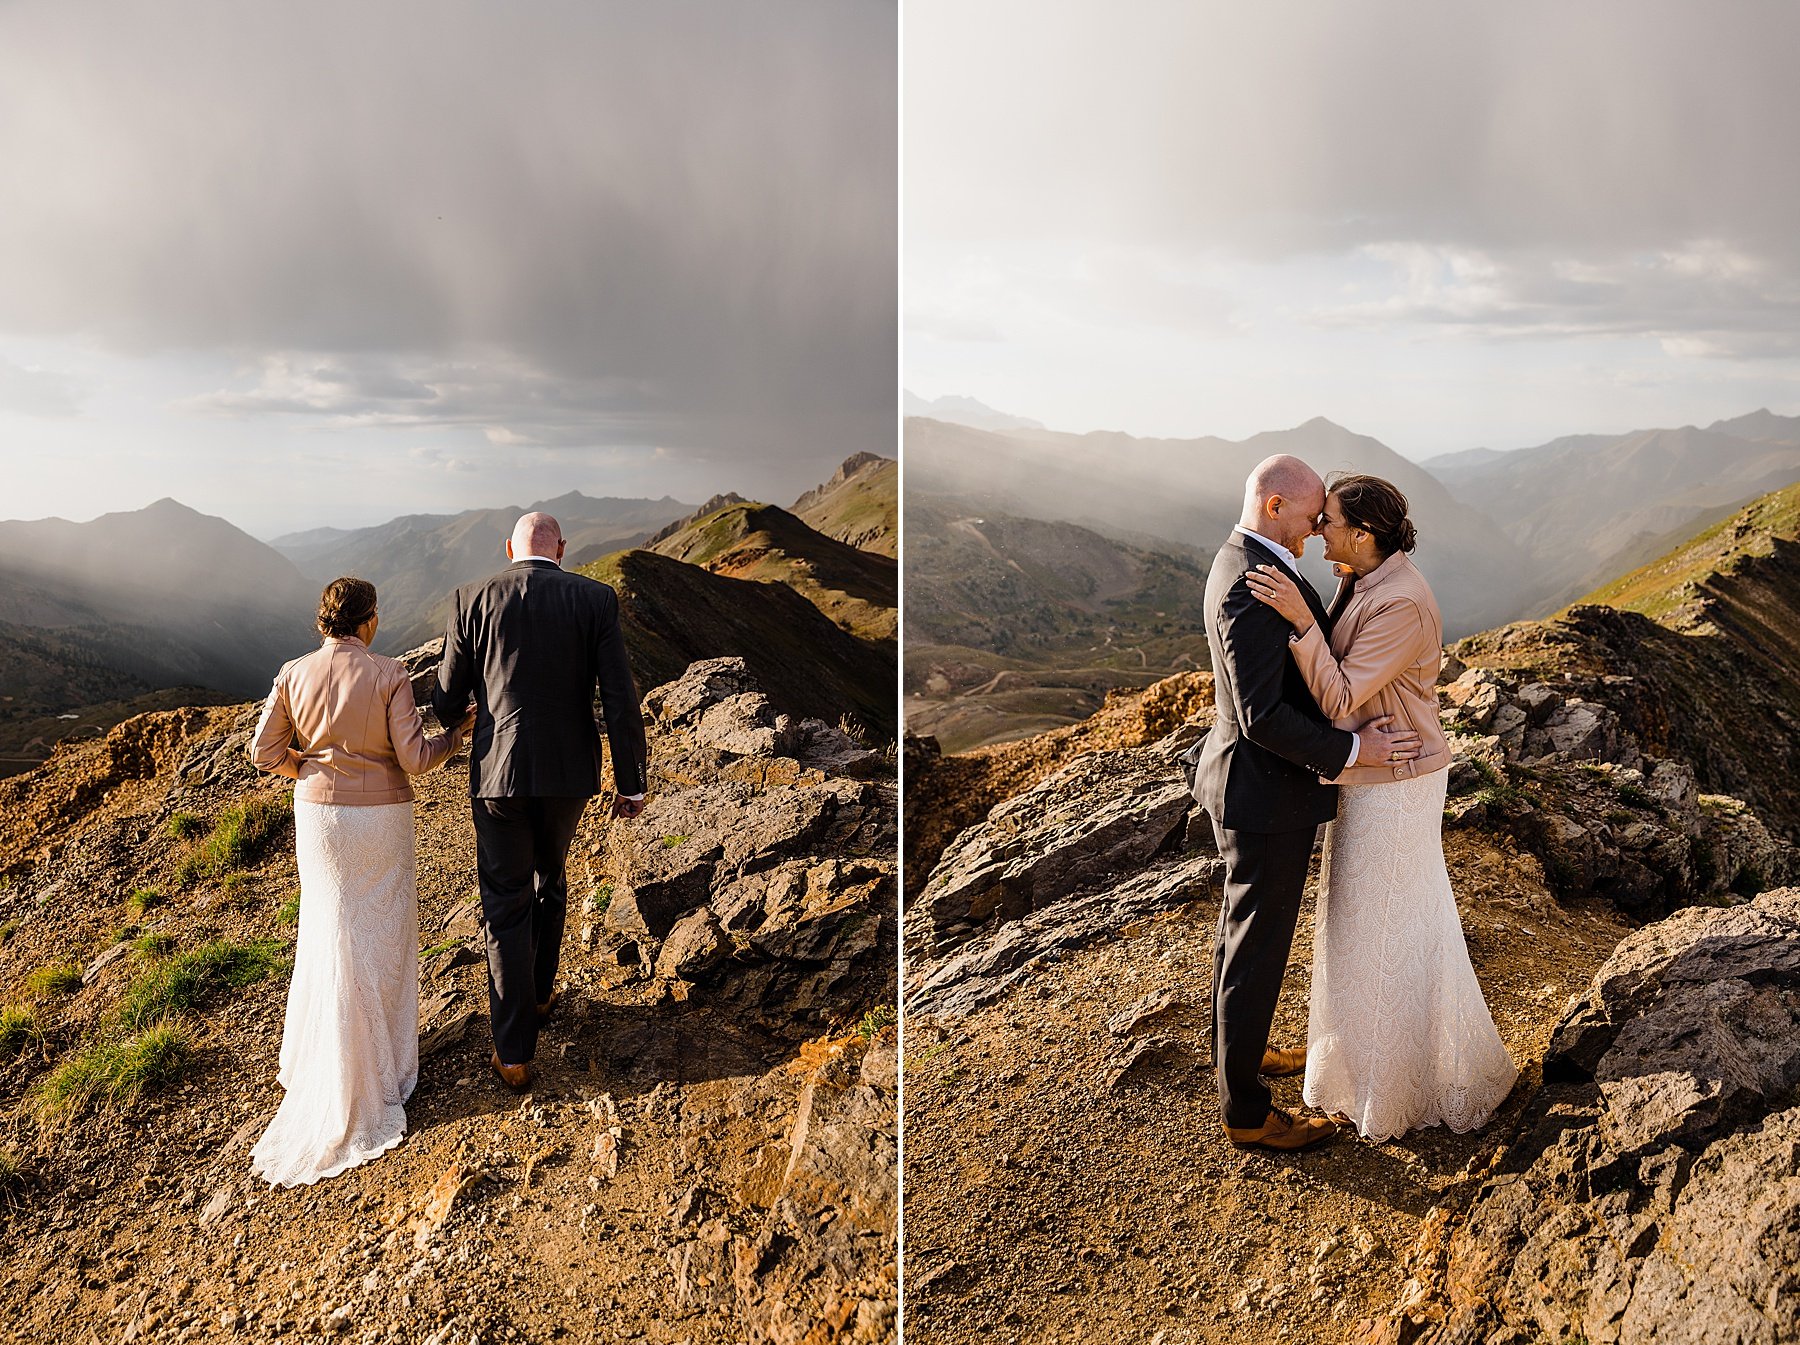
(535, 535)
(1283, 498)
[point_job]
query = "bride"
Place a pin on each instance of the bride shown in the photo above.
(342, 724)
(1398, 1035)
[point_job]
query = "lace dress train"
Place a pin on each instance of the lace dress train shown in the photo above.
(1398, 1034)
(350, 1042)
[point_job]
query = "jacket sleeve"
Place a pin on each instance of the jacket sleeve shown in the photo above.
(1390, 640)
(619, 700)
(1253, 641)
(456, 670)
(272, 745)
(416, 751)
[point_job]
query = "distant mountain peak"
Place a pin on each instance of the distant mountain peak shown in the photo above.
(959, 410)
(728, 500)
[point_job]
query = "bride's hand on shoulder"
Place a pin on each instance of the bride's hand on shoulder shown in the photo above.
(1274, 586)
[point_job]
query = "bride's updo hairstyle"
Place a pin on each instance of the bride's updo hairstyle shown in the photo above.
(1378, 508)
(344, 606)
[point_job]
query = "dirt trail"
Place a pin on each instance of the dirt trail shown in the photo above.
(1045, 1205)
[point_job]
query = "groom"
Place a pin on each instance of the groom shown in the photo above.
(1262, 779)
(530, 644)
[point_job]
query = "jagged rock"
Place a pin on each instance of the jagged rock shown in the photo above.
(1757, 943)
(983, 969)
(1159, 1049)
(763, 878)
(421, 666)
(1141, 1012)
(1477, 693)
(1661, 1201)
(1097, 817)
(442, 963)
(694, 949)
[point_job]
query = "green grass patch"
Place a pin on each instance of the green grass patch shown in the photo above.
(671, 842)
(184, 826)
(8, 928)
(114, 1073)
(603, 896)
(443, 947)
(144, 899)
(56, 978)
(1620, 817)
(154, 945)
(19, 1028)
(874, 1020)
(289, 911)
(12, 1171)
(191, 979)
(1636, 797)
(241, 838)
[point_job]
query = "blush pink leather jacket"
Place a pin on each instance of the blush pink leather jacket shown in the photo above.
(1383, 659)
(341, 723)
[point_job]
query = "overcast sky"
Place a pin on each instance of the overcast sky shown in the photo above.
(326, 263)
(1447, 225)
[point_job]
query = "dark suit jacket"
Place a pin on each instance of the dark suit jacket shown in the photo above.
(1264, 765)
(531, 644)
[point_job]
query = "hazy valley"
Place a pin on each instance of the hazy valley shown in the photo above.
(166, 606)
(1008, 524)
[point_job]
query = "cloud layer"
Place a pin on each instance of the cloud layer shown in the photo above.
(667, 223)
(1528, 169)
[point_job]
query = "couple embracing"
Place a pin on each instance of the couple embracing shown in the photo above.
(1331, 716)
(524, 654)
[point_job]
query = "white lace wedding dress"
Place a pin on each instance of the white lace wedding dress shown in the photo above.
(1398, 1035)
(350, 1044)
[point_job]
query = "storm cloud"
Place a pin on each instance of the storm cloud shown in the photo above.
(668, 224)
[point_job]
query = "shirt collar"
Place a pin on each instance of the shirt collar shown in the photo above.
(1282, 554)
(518, 560)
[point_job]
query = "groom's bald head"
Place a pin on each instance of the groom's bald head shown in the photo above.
(535, 534)
(1282, 498)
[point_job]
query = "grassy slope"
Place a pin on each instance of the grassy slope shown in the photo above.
(676, 613)
(857, 589)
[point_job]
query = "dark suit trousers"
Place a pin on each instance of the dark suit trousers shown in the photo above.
(521, 845)
(1265, 878)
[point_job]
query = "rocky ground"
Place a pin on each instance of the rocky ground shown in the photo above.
(1066, 1172)
(709, 1153)
(1654, 1192)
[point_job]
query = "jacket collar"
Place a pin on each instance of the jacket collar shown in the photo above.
(1385, 571)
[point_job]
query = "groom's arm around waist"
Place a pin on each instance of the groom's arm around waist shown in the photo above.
(1253, 642)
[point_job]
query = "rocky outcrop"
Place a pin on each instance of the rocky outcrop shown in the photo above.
(1100, 843)
(945, 794)
(761, 873)
(1098, 817)
(1654, 1191)
(1564, 775)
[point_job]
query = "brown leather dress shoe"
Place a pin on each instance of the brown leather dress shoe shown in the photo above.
(547, 1006)
(1282, 1131)
(1278, 1063)
(515, 1077)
